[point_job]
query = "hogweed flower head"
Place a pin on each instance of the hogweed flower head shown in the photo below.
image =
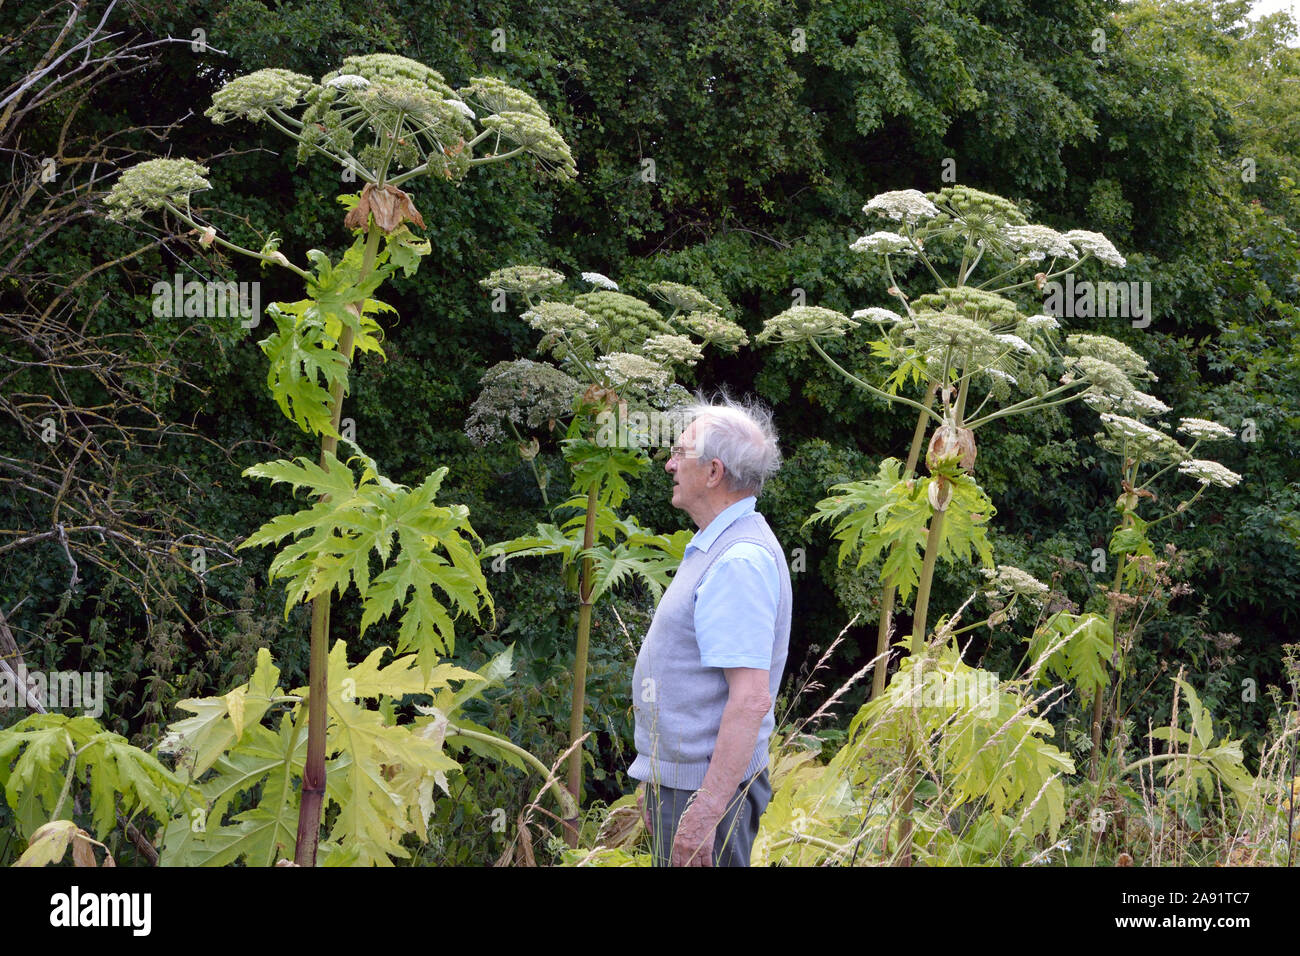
(1141, 441)
(665, 348)
(600, 281)
(523, 393)
(1098, 245)
(976, 304)
(1201, 428)
(626, 368)
(801, 323)
(1035, 242)
(251, 96)
(1113, 351)
(557, 318)
(907, 205)
(1209, 472)
(682, 296)
(877, 314)
(523, 280)
(153, 184)
(985, 214)
(1042, 322)
(715, 329)
(884, 243)
(625, 320)
(1011, 580)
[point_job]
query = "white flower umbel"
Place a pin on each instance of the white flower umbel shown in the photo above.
(1042, 322)
(1141, 440)
(1113, 351)
(802, 322)
(1012, 580)
(624, 368)
(908, 205)
(884, 243)
(1016, 343)
(715, 329)
(1140, 403)
(1209, 472)
(877, 314)
(600, 281)
(1037, 242)
(557, 318)
(998, 373)
(1097, 244)
(462, 107)
(1201, 428)
(672, 348)
(348, 81)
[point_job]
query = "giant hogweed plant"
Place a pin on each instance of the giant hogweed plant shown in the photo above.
(615, 361)
(966, 345)
(390, 120)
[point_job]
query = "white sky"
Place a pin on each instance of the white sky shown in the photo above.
(1263, 7)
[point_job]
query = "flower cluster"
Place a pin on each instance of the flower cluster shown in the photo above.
(1209, 472)
(536, 135)
(1011, 580)
(1015, 342)
(1097, 245)
(681, 296)
(803, 322)
(558, 319)
(877, 314)
(625, 320)
(251, 96)
(985, 213)
(1129, 436)
(715, 329)
(976, 304)
(667, 348)
(523, 280)
(1042, 322)
(153, 184)
(1110, 386)
(1201, 428)
(600, 281)
(498, 96)
(522, 392)
(907, 205)
(884, 243)
(1037, 242)
(1113, 351)
(625, 368)
(937, 335)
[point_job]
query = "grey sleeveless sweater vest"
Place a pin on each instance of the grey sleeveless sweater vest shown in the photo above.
(677, 700)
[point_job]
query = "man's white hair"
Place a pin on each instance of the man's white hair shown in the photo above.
(740, 435)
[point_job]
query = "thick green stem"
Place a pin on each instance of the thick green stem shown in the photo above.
(313, 776)
(580, 664)
(889, 589)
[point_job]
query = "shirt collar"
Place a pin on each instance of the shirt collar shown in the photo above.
(705, 537)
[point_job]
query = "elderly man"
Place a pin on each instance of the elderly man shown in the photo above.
(708, 672)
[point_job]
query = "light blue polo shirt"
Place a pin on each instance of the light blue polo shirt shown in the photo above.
(735, 603)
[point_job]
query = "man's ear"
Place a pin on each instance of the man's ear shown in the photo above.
(717, 472)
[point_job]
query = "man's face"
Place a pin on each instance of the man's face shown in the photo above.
(690, 474)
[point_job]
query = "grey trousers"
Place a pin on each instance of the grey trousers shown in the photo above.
(734, 838)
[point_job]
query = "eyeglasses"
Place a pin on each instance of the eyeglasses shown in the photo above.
(681, 451)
